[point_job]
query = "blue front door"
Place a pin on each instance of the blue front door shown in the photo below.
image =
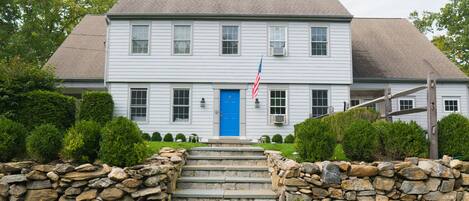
(229, 113)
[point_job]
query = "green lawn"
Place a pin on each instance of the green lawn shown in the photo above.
(288, 149)
(156, 146)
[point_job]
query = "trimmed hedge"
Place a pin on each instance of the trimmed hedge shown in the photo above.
(289, 139)
(277, 138)
(122, 143)
(399, 140)
(12, 139)
(168, 137)
(453, 136)
(265, 139)
(146, 136)
(314, 141)
(81, 142)
(44, 143)
(180, 137)
(97, 106)
(341, 121)
(361, 141)
(156, 137)
(45, 107)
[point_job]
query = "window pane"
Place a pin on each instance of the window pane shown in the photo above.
(277, 33)
(319, 48)
(182, 47)
(140, 46)
(230, 41)
(320, 103)
(451, 105)
(278, 102)
(140, 32)
(406, 104)
(354, 102)
(138, 104)
(230, 32)
(181, 105)
(182, 32)
(319, 34)
(230, 47)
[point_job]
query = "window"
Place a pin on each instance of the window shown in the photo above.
(278, 102)
(319, 41)
(278, 36)
(406, 104)
(230, 40)
(181, 105)
(320, 103)
(138, 104)
(451, 104)
(182, 39)
(354, 102)
(140, 34)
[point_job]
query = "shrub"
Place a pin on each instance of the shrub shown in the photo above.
(339, 122)
(45, 107)
(156, 137)
(289, 139)
(168, 137)
(44, 143)
(81, 142)
(97, 106)
(453, 136)
(361, 141)
(12, 139)
(313, 140)
(265, 139)
(122, 143)
(180, 137)
(277, 138)
(146, 136)
(194, 138)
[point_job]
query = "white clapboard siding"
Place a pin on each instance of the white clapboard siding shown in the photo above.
(206, 65)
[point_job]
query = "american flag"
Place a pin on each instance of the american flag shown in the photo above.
(255, 87)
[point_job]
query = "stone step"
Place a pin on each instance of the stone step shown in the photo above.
(229, 142)
(226, 183)
(218, 170)
(227, 160)
(219, 194)
(227, 151)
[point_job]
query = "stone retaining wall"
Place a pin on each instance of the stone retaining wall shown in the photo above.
(412, 179)
(153, 180)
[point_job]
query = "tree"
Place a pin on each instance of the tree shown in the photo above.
(33, 30)
(453, 21)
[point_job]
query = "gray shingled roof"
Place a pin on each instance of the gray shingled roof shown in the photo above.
(221, 8)
(395, 49)
(82, 55)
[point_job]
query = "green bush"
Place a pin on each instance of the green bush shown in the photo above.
(122, 143)
(44, 143)
(277, 138)
(168, 137)
(453, 136)
(290, 139)
(339, 122)
(12, 139)
(81, 141)
(400, 140)
(313, 140)
(45, 107)
(180, 137)
(265, 139)
(156, 137)
(97, 106)
(361, 141)
(194, 138)
(146, 136)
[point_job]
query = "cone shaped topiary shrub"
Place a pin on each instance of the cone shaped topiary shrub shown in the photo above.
(314, 141)
(81, 141)
(168, 137)
(289, 139)
(361, 141)
(44, 143)
(277, 138)
(97, 106)
(122, 143)
(180, 137)
(156, 137)
(146, 136)
(12, 139)
(453, 136)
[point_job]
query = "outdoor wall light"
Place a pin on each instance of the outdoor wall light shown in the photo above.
(202, 103)
(257, 103)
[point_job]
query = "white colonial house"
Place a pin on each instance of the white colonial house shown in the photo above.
(185, 66)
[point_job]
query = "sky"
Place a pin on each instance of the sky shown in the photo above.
(390, 8)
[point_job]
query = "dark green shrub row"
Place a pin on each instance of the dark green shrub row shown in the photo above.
(180, 137)
(156, 137)
(277, 138)
(339, 122)
(12, 139)
(97, 106)
(314, 141)
(290, 139)
(168, 137)
(453, 136)
(146, 136)
(265, 139)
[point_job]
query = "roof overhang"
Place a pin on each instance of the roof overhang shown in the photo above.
(409, 80)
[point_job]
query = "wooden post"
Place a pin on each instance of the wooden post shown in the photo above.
(432, 116)
(387, 104)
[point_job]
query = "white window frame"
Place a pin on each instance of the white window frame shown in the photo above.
(132, 24)
(405, 99)
(286, 102)
(129, 104)
(269, 40)
(221, 39)
(457, 99)
(173, 40)
(328, 42)
(311, 99)
(189, 121)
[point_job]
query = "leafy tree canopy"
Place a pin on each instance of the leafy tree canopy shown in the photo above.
(453, 21)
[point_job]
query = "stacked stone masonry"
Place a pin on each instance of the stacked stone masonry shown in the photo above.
(412, 179)
(153, 180)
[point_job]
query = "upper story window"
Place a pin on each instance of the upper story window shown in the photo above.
(277, 37)
(278, 102)
(182, 39)
(406, 104)
(230, 40)
(140, 39)
(138, 104)
(451, 104)
(320, 103)
(181, 104)
(319, 41)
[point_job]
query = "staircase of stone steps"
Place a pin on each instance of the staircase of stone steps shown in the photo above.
(225, 171)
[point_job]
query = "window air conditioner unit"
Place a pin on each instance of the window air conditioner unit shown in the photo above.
(278, 119)
(278, 51)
